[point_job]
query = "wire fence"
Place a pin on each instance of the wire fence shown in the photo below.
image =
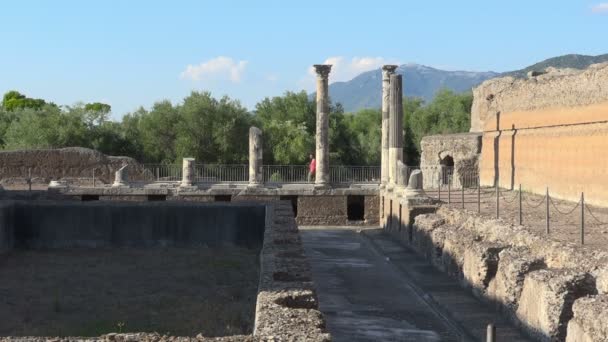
(547, 214)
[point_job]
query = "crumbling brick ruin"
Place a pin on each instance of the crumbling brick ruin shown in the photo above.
(547, 130)
(75, 165)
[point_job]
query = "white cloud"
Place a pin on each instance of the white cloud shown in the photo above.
(219, 68)
(344, 70)
(600, 8)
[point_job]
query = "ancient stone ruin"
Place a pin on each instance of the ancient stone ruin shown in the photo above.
(236, 255)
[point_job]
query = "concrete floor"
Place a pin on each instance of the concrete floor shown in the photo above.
(371, 288)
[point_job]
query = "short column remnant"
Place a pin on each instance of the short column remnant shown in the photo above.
(255, 157)
(414, 186)
(387, 71)
(121, 177)
(395, 139)
(322, 135)
(187, 172)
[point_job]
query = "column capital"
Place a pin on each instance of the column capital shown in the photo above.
(389, 68)
(322, 70)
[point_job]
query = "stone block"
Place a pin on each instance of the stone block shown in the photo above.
(601, 280)
(513, 265)
(480, 265)
(590, 321)
(456, 242)
(545, 305)
(422, 229)
(322, 210)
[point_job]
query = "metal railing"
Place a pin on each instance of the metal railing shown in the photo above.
(279, 174)
(219, 173)
(354, 174)
(285, 174)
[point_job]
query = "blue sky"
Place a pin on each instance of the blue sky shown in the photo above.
(133, 53)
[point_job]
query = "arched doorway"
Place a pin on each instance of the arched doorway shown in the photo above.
(447, 169)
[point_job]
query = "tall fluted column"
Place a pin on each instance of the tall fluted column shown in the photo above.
(395, 126)
(387, 71)
(322, 136)
(255, 157)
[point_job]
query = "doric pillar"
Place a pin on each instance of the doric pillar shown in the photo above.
(187, 171)
(255, 157)
(387, 71)
(322, 136)
(121, 177)
(395, 139)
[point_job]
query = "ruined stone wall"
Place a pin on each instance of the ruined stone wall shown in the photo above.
(554, 291)
(556, 89)
(463, 148)
(546, 131)
(70, 163)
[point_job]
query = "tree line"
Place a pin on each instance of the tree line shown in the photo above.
(215, 130)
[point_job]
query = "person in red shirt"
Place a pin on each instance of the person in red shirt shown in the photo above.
(312, 168)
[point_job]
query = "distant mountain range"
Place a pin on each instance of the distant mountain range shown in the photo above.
(364, 91)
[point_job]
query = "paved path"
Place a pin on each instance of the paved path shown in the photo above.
(368, 293)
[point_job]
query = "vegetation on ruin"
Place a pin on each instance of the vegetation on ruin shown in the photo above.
(215, 130)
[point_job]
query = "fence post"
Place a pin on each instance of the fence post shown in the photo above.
(439, 185)
(497, 201)
(582, 218)
(491, 333)
(547, 218)
(29, 179)
(93, 177)
(462, 194)
(478, 196)
(520, 211)
(449, 191)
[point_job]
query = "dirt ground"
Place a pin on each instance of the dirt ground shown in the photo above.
(89, 292)
(564, 216)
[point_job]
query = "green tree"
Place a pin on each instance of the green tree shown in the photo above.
(46, 127)
(365, 132)
(13, 100)
(213, 130)
(158, 133)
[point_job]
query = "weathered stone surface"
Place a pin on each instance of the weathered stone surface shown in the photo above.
(415, 181)
(395, 138)
(545, 305)
(322, 134)
(315, 210)
(555, 88)
(480, 265)
(422, 230)
(387, 71)
(456, 243)
(372, 210)
(255, 157)
(121, 177)
(71, 162)
(187, 172)
(590, 321)
(601, 280)
(464, 149)
(513, 266)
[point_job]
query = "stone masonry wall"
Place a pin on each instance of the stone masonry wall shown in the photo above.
(463, 148)
(556, 88)
(553, 290)
(546, 131)
(67, 163)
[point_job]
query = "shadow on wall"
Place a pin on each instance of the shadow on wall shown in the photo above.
(132, 224)
(495, 272)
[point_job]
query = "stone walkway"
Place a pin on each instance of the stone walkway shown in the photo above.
(372, 289)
